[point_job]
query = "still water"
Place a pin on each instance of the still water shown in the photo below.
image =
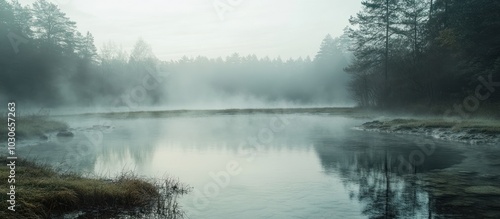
(270, 165)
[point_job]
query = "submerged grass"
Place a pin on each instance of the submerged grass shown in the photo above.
(42, 192)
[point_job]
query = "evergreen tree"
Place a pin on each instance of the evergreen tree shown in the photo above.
(374, 26)
(53, 29)
(414, 17)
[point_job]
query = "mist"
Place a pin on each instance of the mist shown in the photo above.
(248, 81)
(68, 70)
(250, 109)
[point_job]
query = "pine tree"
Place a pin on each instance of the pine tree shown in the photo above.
(372, 30)
(375, 26)
(55, 31)
(414, 17)
(326, 50)
(86, 48)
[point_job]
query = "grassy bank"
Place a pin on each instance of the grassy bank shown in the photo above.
(471, 126)
(43, 193)
(472, 131)
(32, 126)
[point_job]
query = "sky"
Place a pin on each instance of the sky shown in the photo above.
(212, 28)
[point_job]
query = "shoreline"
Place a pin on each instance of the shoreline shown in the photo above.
(42, 192)
(347, 111)
(471, 131)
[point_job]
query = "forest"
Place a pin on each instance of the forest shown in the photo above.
(65, 68)
(427, 54)
(393, 112)
(396, 54)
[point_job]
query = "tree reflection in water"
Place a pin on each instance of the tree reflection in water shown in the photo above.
(368, 168)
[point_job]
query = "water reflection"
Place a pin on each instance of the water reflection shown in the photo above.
(370, 167)
(315, 167)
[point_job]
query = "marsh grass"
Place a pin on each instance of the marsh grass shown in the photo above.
(32, 125)
(473, 126)
(41, 192)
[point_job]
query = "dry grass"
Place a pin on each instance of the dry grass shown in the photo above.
(43, 193)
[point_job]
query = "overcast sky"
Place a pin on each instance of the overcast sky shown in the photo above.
(174, 28)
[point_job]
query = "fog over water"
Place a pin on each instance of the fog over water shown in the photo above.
(262, 109)
(309, 166)
(178, 55)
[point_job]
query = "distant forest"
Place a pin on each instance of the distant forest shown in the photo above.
(395, 54)
(45, 61)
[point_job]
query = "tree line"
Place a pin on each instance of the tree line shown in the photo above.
(46, 61)
(429, 53)
(40, 46)
(432, 54)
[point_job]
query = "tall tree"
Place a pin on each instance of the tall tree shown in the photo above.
(111, 52)
(326, 50)
(328, 70)
(374, 29)
(23, 18)
(371, 31)
(414, 17)
(142, 52)
(53, 28)
(86, 48)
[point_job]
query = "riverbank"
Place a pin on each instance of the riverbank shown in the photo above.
(473, 131)
(41, 192)
(354, 112)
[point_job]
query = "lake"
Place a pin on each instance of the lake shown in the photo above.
(274, 165)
